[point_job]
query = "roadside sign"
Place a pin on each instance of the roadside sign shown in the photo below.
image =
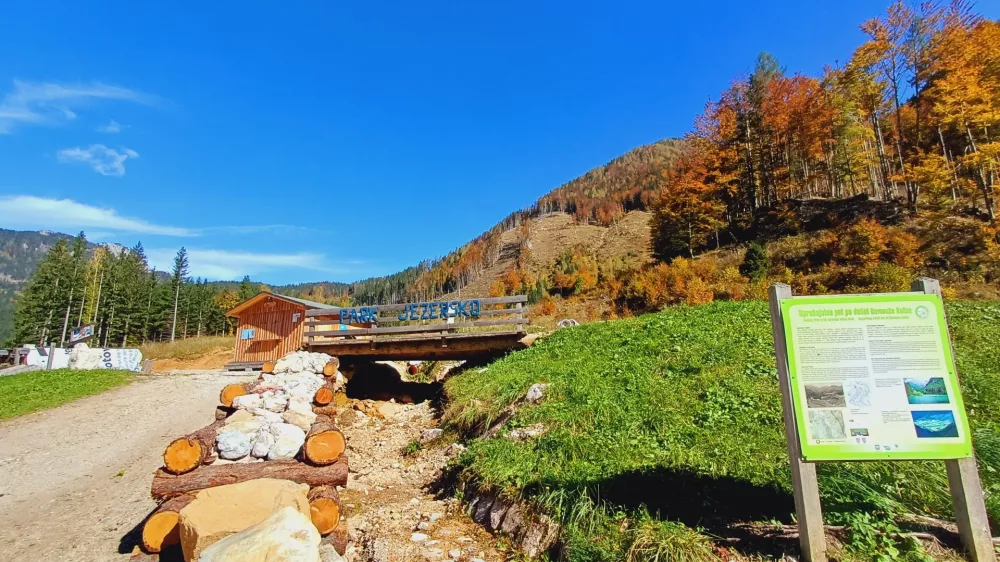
(81, 334)
(872, 377)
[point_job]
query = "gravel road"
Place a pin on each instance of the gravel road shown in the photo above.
(74, 480)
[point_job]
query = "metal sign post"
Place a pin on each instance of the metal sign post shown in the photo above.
(873, 377)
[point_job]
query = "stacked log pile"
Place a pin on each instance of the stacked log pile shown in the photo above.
(280, 427)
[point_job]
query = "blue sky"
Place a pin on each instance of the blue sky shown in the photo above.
(335, 141)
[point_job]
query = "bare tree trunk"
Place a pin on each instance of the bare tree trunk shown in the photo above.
(100, 286)
(173, 327)
(69, 305)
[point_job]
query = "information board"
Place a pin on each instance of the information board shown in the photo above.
(872, 377)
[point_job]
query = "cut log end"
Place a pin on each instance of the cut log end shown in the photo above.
(324, 448)
(325, 515)
(160, 531)
(268, 367)
(183, 455)
(324, 507)
(323, 396)
(329, 370)
(230, 392)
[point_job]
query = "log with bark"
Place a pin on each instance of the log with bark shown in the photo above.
(331, 367)
(330, 411)
(161, 529)
(267, 367)
(337, 539)
(324, 442)
(187, 453)
(324, 506)
(231, 391)
(324, 395)
(222, 412)
(166, 485)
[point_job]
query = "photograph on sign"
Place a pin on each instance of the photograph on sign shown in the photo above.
(872, 377)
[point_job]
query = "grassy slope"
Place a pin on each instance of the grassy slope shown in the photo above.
(37, 390)
(187, 348)
(679, 413)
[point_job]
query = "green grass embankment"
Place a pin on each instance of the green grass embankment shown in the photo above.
(665, 429)
(37, 390)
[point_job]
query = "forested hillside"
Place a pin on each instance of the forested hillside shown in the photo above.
(113, 287)
(20, 254)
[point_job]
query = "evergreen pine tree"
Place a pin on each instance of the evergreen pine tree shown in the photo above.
(180, 270)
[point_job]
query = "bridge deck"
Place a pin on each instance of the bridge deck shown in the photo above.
(424, 347)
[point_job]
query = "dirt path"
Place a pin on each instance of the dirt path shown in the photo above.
(74, 480)
(391, 514)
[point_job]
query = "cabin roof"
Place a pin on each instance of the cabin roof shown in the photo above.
(264, 295)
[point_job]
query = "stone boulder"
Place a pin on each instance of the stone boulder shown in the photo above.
(286, 536)
(217, 513)
(288, 440)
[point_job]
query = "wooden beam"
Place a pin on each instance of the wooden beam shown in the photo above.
(808, 512)
(469, 346)
(963, 478)
(320, 320)
(436, 327)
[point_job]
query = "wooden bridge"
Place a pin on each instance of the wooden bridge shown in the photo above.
(460, 329)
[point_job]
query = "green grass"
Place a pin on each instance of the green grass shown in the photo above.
(678, 414)
(188, 348)
(37, 390)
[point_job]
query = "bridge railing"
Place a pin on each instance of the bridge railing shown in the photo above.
(418, 320)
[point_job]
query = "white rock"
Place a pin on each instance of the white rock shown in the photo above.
(299, 419)
(428, 435)
(536, 393)
(454, 449)
(301, 406)
(418, 537)
(275, 402)
(233, 445)
(265, 416)
(525, 433)
(288, 439)
(262, 445)
(248, 401)
(248, 427)
(454, 554)
(286, 536)
(435, 516)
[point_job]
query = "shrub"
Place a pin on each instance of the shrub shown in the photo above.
(887, 278)
(862, 243)
(755, 263)
(546, 306)
(902, 249)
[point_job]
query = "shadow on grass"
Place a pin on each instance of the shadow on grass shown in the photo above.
(720, 506)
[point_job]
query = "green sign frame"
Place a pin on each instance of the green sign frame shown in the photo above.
(937, 430)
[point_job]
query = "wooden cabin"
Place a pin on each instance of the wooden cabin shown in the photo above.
(269, 326)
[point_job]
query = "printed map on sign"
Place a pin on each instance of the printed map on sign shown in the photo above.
(872, 378)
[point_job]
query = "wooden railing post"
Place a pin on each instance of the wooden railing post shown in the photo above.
(808, 511)
(963, 480)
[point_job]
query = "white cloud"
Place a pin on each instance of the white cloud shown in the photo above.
(105, 161)
(112, 128)
(226, 264)
(31, 103)
(30, 212)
